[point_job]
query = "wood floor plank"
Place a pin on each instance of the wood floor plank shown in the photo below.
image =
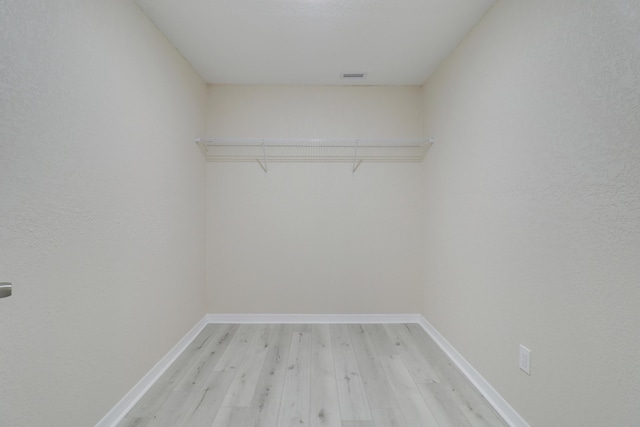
(374, 379)
(324, 406)
(421, 369)
(358, 424)
(380, 340)
(475, 408)
(294, 404)
(151, 401)
(159, 392)
(473, 405)
(425, 344)
(388, 417)
(209, 400)
(444, 408)
(265, 405)
(244, 383)
(415, 410)
(173, 410)
(235, 352)
(229, 416)
(305, 327)
(351, 394)
(196, 376)
(133, 422)
(191, 355)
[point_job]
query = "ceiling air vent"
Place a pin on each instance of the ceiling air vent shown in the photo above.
(354, 76)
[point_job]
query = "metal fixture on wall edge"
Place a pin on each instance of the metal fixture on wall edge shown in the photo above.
(5, 289)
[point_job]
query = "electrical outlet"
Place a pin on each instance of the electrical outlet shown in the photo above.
(525, 359)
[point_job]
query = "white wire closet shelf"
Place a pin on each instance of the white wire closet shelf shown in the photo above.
(314, 150)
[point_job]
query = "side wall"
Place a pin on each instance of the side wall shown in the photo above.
(102, 206)
(532, 207)
(313, 237)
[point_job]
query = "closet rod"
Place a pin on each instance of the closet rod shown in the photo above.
(315, 141)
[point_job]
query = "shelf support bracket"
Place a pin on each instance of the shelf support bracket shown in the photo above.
(355, 168)
(264, 159)
(355, 157)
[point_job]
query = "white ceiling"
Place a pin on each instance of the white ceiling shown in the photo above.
(312, 42)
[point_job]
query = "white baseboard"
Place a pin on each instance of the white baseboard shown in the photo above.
(493, 397)
(313, 318)
(118, 412)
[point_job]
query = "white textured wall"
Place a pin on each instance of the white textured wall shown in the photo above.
(312, 237)
(102, 206)
(532, 207)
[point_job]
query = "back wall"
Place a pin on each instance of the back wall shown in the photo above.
(313, 237)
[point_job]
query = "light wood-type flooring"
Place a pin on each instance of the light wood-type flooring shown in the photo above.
(312, 375)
